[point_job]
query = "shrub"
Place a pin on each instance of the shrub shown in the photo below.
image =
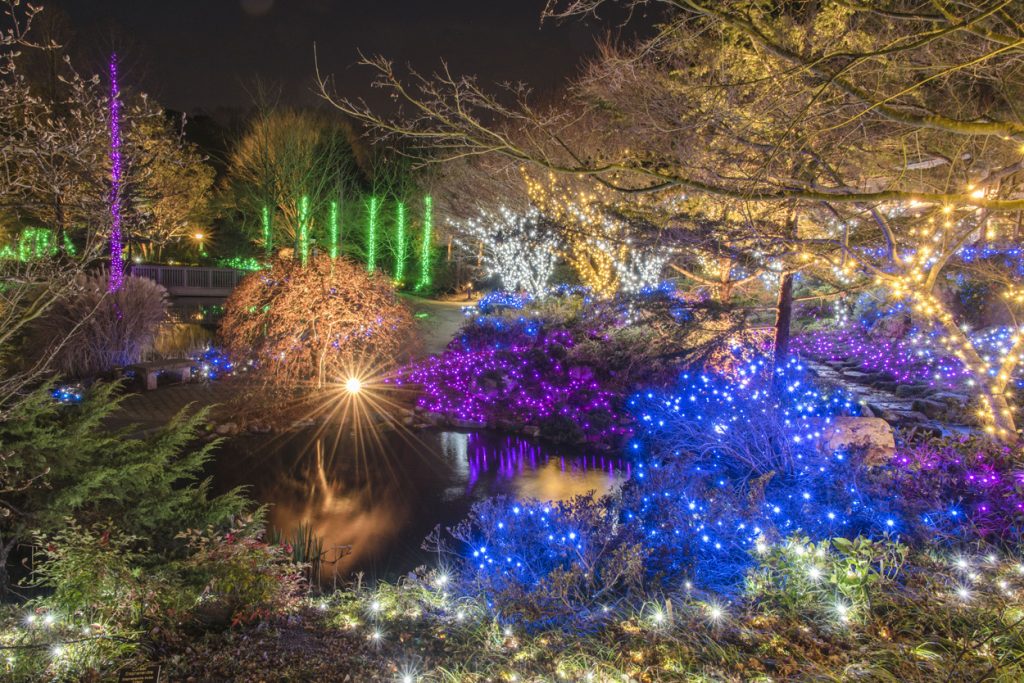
(833, 582)
(764, 419)
(515, 370)
(93, 575)
(547, 564)
(64, 461)
(98, 330)
(315, 324)
(240, 575)
(963, 487)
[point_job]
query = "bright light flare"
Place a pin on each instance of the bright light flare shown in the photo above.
(353, 385)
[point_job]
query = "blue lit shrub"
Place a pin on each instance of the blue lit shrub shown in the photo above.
(545, 564)
(757, 421)
(724, 469)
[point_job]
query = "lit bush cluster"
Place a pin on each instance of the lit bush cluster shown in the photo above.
(725, 470)
(564, 362)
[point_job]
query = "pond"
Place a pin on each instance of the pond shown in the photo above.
(382, 497)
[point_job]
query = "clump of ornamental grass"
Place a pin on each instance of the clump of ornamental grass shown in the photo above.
(91, 330)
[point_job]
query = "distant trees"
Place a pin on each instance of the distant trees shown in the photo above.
(170, 186)
(284, 172)
(519, 249)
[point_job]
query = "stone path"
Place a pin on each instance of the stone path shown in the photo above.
(437, 321)
(909, 406)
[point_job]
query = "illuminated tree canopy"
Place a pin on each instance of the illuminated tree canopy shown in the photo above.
(869, 143)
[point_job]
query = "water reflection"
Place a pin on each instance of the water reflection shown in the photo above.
(384, 501)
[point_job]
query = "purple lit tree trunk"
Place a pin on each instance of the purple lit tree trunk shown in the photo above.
(116, 247)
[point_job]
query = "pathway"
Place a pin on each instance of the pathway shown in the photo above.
(151, 410)
(907, 405)
(437, 321)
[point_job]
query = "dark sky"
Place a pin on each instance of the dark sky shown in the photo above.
(205, 54)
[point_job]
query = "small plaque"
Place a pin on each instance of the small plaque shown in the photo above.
(147, 673)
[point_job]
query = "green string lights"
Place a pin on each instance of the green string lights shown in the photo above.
(371, 235)
(428, 224)
(400, 236)
(304, 230)
(268, 238)
(333, 227)
(34, 244)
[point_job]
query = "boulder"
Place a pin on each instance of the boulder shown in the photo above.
(460, 423)
(908, 390)
(895, 326)
(870, 435)
(857, 376)
(933, 409)
(951, 399)
(904, 417)
(227, 429)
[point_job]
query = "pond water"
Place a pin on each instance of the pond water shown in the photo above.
(383, 497)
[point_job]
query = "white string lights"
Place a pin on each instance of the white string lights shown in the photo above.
(517, 248)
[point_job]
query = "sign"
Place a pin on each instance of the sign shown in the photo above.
(147, 673)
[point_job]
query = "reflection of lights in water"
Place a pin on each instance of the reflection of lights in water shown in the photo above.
(535, 474)
(383, 501)
(455, 446)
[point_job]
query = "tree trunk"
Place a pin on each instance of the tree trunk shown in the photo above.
(725, 276)
(5, 554)
(1002, 425)
(1002, 419)
(783, 319)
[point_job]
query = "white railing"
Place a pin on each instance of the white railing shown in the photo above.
(192, 281)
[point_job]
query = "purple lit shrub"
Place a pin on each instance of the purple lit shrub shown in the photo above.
(502, 370)
(962, 488)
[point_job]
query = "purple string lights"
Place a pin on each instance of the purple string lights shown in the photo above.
(517, 372)
(116, 257)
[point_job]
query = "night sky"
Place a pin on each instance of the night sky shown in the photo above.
(206, 54)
